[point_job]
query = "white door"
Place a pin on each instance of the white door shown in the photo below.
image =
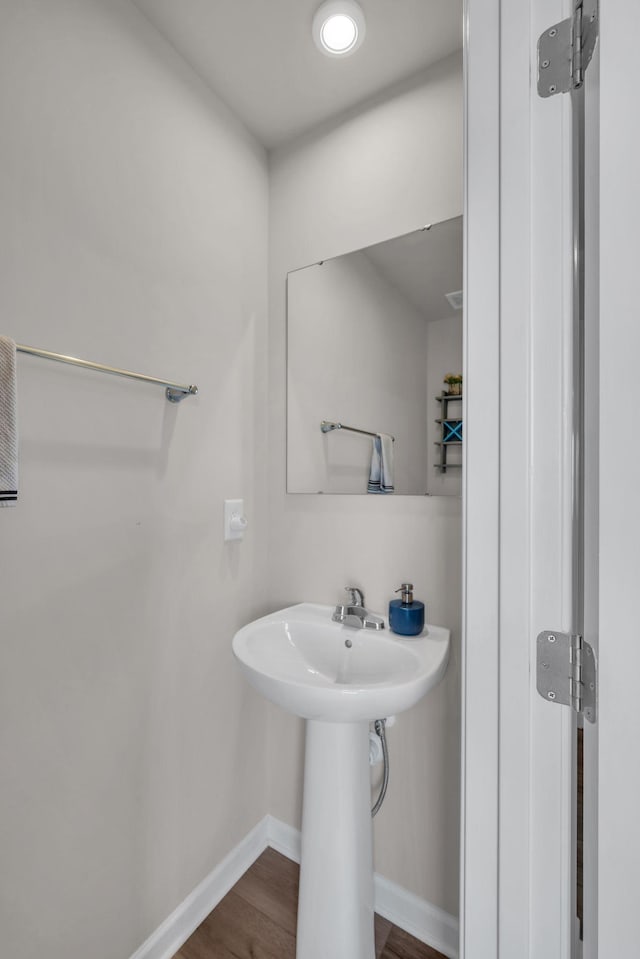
(619, 765)
(589, 846)
(519, 766)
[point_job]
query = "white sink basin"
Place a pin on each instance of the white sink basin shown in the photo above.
(299, 659)
(339, 679)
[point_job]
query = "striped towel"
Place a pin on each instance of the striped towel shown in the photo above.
(8, 424)
(381, 475)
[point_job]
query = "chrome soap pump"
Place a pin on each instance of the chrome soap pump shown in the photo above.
(406, 615)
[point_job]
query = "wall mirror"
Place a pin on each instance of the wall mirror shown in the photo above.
(370, 337)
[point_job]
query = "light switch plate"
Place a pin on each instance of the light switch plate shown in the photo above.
(233, 519)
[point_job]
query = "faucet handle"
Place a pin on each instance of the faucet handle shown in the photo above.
(357, 596)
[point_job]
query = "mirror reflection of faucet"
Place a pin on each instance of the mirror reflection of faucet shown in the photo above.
(355, 613)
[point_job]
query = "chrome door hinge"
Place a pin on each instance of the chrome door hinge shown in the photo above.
(566, 672)
(565, 51)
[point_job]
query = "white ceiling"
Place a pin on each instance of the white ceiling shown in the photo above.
(424, 266)
(260, 58)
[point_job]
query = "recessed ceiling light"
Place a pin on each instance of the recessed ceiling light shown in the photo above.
(338, 27)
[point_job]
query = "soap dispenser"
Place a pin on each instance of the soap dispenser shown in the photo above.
(406, 615)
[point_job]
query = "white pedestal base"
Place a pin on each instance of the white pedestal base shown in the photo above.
(335, 910)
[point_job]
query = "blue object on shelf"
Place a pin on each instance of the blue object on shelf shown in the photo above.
(452, 431)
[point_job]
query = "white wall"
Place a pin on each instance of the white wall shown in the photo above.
(388, 169)
(356, 350)
(134, 231)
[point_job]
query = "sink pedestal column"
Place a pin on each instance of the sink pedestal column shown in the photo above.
(335, 910)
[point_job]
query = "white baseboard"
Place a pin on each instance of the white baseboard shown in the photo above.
(283, 838)
(185, 919)
(416, 916)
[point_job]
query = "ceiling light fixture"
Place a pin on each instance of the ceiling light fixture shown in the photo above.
(338, 27)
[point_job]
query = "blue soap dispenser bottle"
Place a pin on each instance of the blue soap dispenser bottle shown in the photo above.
(406, 615)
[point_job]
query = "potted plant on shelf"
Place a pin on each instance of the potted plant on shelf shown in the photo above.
(454, 384)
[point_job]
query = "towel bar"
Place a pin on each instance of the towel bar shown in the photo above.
(327, 426)
(173, 391)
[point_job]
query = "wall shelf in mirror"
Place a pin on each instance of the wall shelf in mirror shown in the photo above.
(450, 432)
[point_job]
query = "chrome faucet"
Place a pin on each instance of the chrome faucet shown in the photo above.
(355, 614)
(357, 596)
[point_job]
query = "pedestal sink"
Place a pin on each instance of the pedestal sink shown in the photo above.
(339, 679)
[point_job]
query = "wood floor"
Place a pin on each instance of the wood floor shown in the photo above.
(257, 920)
